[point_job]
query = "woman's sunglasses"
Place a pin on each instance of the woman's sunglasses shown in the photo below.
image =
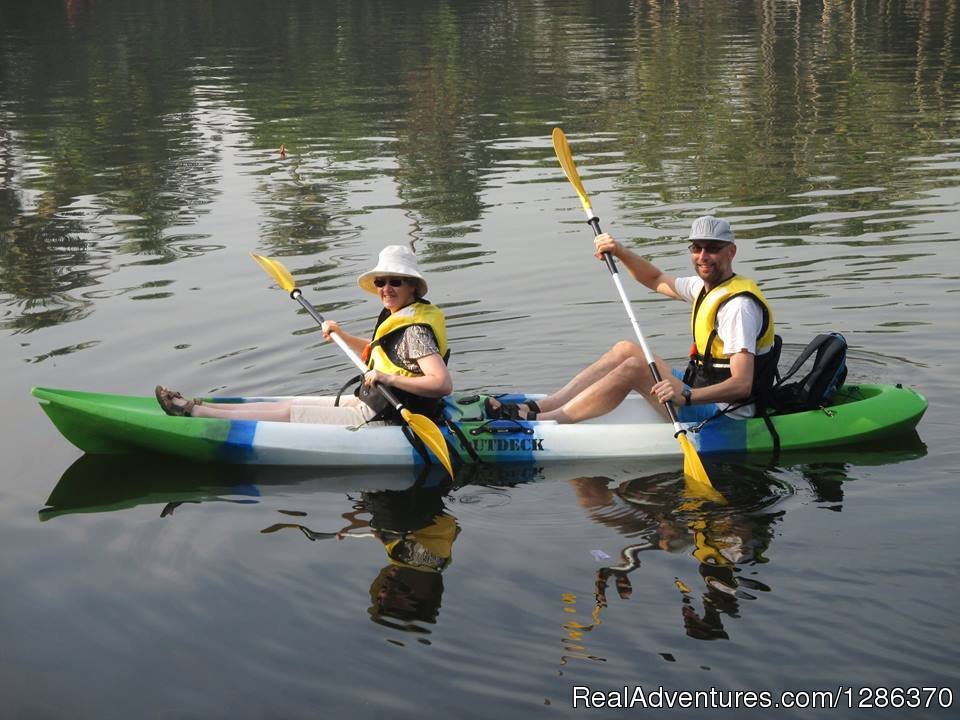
(392, 281)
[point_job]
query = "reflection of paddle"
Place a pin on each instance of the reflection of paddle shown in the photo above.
(422, 426)
(692, 466)
(308, 533)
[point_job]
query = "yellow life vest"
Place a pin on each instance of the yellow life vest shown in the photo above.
(707, 357)
(416, 313)
(429, 548)
(419, 312)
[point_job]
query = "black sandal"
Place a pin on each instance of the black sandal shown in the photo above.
(511, 411)
(493, 413)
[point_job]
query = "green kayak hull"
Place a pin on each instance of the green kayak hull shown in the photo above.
(100, 423)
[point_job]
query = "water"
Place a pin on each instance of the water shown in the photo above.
(140, 164)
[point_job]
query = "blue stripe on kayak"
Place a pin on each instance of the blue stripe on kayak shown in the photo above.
(239, 443)
(722, 435)
(451, 442)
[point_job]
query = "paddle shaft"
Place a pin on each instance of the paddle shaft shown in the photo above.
(594, 223)
(361, 365)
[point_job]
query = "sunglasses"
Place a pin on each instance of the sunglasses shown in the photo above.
(392, 281)
(710, 248)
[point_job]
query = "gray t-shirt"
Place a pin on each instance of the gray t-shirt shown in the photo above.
(414, 343)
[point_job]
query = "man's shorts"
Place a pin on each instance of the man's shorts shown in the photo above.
(693, 413)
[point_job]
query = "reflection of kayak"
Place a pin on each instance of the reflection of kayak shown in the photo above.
(108, 483)
(110, 424)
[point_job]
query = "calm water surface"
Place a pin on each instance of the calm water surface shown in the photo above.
(140, 164)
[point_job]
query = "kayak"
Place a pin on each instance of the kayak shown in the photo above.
(100, 423)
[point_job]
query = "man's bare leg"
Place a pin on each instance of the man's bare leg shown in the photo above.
(609, 391)
(591, 374)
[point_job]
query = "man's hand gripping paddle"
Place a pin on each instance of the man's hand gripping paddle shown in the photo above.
(692, 465)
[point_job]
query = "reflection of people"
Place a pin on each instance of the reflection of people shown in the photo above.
(733, 335)
(653, 511)
(410, 588)
(407, 353)
(417, 535)
(722, 544)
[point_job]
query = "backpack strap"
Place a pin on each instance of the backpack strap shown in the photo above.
(825, 355)
(773, 434)
(766, 375)
(812, 347)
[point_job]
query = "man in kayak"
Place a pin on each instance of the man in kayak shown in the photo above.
(731, 360)
(408, 353)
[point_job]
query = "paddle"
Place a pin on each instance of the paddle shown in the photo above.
(692, 466)
(422, 426)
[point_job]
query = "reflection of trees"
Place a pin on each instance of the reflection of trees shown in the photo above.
(111, 117)
(99, 136)
(815, 88)
(108, 111)
(37, 251)
(439, 164)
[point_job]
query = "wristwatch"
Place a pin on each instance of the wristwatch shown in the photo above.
(686, 395)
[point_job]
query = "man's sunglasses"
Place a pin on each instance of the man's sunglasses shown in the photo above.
(392, 281)
(710, 248)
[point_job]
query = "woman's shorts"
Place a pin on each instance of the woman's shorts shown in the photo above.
(321, 410)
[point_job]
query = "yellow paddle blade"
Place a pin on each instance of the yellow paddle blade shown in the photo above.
(427, 430)
(562, 149)
(276, 270)
(698, 482)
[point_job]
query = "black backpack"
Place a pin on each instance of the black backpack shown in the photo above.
(818, 387)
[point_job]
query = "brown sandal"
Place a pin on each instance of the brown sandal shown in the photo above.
(166, 399)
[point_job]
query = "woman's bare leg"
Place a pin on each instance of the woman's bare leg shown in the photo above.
(271, 411)
(278, 411)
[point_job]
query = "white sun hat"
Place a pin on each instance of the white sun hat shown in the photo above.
(394, 261)
(710, 228)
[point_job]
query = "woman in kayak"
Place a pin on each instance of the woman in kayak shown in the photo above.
(408, 354)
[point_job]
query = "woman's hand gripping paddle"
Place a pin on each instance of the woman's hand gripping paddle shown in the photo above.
(692, 466)
(422, 426)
